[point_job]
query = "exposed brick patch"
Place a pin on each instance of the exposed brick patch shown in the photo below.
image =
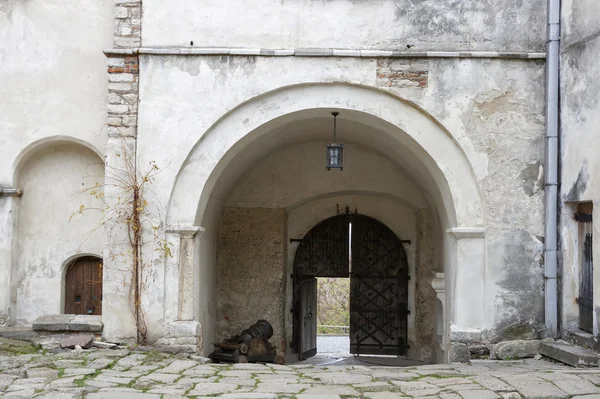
(123, 73)
(402, 73)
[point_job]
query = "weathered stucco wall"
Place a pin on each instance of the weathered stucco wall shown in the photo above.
(53, 80)
(250, 271)
(425, 297)
(493, 108)
(47, 237)
(53, 84)
(580, 164)
(429, 24)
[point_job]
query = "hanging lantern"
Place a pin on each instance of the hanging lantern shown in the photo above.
(335, 151)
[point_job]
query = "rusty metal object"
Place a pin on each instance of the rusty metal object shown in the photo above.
(251, 346)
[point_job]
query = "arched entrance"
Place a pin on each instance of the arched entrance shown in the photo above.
(437, 168)
(83, 286)
(372, 256)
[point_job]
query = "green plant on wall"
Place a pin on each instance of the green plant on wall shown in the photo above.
(128, 206)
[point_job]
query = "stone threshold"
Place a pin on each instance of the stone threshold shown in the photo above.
(68, 322)
(583, 339)
(324, 52)
(569, 354)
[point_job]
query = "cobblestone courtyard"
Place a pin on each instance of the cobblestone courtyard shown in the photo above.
(103, 373)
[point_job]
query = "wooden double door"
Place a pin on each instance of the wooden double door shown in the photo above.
(372, 256)
(83, 287)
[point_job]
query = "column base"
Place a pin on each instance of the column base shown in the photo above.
(182, 336)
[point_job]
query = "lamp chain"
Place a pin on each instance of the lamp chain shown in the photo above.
(334, 127)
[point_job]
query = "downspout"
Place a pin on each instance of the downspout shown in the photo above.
(551, 162)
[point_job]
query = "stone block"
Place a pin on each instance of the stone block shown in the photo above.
(459, 353)
(114, 98)
(53, 322)
(178, 329)
(492, 348)
(465, 335)
(129, 121)
(479, 349)
(569, 354)
(120, 77)
(83, 340)
(121, 12)
(127, 42)
(517, 349)
(130, 98)
(117, 109)
(83, 322)
(120, 87)
(115, 62)
(519, 332)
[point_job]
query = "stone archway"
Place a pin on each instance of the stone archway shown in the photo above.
(398, 129)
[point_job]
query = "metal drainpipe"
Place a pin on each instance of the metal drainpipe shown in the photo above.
(551, 162)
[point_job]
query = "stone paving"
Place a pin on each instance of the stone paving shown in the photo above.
(108, 374)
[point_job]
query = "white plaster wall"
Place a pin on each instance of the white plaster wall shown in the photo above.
(430, 24)
(53, 73)
(580, 164)
(52, 83)
(207, 277)
(52, 180)
(295, 174)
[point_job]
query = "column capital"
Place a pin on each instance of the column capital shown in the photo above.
(185, 230)
(467, 232)
(437, 280)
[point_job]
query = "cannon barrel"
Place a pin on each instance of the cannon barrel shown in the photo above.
(261, 329)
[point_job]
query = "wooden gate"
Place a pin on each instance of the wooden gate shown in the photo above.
(378, 290)
(586, 281)
(323, 252)
(83, 287)
(378, 271)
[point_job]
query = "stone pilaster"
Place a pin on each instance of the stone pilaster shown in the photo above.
(186, 273)
(185, 333)
(8, 198)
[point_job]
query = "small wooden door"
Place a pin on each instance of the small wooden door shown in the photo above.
(308, 318)
(83, 289)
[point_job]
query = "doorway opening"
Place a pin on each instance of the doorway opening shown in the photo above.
(586, 270)
(368, 254)
(333, 316)
(83, 286)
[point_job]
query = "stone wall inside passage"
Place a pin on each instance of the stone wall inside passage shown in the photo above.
(251, 252)
(424, 294)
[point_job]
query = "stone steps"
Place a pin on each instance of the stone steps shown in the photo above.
(68, 322)
(569, 354)
(583, 339)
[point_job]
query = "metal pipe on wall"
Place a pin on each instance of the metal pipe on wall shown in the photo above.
(551, 165)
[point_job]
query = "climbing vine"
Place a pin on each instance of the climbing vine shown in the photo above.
(125, 198)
